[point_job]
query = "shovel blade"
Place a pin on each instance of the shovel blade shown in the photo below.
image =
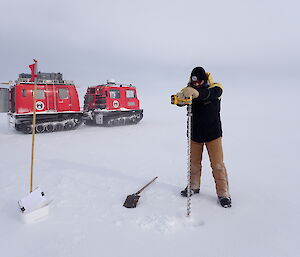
(33, 201)
(131, 201)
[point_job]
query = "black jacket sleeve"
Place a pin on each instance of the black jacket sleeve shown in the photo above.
(207, 94)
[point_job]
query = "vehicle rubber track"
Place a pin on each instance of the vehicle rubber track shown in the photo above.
(50, 126)
(117, 120)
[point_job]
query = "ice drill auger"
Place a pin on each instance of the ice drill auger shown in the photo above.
(188, 103)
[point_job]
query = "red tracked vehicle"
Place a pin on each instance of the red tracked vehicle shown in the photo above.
(112, 104)
(57, 103)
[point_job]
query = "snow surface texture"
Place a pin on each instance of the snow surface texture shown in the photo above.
(89, 172)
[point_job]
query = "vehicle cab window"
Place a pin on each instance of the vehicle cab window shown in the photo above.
(63, 93)
(114, 94)
(130, 94)
(40, 94)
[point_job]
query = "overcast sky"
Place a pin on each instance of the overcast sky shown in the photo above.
(134, 40)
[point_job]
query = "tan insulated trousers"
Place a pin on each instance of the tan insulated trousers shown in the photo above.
(215, 152)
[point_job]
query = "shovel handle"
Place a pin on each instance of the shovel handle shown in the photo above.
(145, 186)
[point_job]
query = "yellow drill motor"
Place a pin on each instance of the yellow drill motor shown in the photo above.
(179, 101)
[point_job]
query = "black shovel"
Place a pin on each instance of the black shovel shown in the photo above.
(132, 200)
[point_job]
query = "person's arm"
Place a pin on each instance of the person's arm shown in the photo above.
(211, 93)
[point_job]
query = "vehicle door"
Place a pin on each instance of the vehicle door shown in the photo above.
(131, 100)
(4, 99)
(50, 96)
(114, 99)
(40, 97)
(63, 99)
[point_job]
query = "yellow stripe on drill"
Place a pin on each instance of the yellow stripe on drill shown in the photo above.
(185, 101)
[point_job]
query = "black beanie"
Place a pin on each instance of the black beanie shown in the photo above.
(199, 72)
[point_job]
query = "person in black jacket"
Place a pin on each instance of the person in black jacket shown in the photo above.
(206, 131)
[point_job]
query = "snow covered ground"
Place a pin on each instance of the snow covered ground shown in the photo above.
(89, 172)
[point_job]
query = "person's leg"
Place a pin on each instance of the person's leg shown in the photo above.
(215, 153)
(196, 158)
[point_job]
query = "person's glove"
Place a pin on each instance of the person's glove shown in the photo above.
(180, 95)
(181, 99)
(188, 92)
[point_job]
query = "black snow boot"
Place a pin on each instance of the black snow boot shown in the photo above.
(225, 201)
(193, 191)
